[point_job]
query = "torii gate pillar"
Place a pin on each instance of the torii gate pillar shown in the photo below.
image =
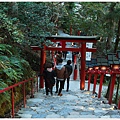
(79, 39)
(83, 64)
(43, 57)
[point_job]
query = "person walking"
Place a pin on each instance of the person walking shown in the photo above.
(69, 68)
(49, 75)
(73, 53)
(58, 56)
(60, 76)
(64, 54)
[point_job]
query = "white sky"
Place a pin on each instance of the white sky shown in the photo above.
(59, 1)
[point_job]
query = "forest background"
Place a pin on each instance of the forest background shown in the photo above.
(23, 23)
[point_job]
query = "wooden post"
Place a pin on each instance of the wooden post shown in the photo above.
(111, 88)
(89, 78)
(24, 95)
(79, 39)
(12, 99)
(78, 32)
(75, 59)
(100, 87)
(43, 57)
(75, 73)
(95, 81)
(119, 104)
(83, 62)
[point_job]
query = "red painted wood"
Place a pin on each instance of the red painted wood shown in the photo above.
(43, 57)
(12, 91)
(63, 45)
(75, 72)
(24, 95)
(83, 62)
(95, 81)
(79, 32)
(64, 49)
(12, 97)
(35, 48)
(89, 78)
(75, 59)
(15, 85)
(83, 50)
(119, 103)
(111, 88)
(100, 87)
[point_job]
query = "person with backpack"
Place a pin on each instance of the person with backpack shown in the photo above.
(49, 74)
(60, 76)
(69, 68)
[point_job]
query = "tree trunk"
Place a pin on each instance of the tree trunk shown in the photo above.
(109, 40)
(108, 43)
(111, 27)
(117, 37)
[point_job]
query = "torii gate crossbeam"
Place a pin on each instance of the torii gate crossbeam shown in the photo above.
(83, 49)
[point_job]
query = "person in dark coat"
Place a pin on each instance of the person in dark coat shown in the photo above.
(69, 68)
(49, 75)
(64, 54)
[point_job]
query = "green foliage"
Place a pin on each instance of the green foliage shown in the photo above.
(23, 24)
(12, 70)
(4, 49)
(5, 102)
(4, 97)
(35, 22)
(2, 84)
(9, 32)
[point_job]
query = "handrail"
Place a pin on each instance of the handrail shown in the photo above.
(24, 96)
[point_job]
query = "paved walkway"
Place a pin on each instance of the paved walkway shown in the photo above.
(75, 103)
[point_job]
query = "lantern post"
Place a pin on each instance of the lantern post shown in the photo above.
(115, 66)
(102, 72)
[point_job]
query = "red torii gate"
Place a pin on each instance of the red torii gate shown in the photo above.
(63, 39)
